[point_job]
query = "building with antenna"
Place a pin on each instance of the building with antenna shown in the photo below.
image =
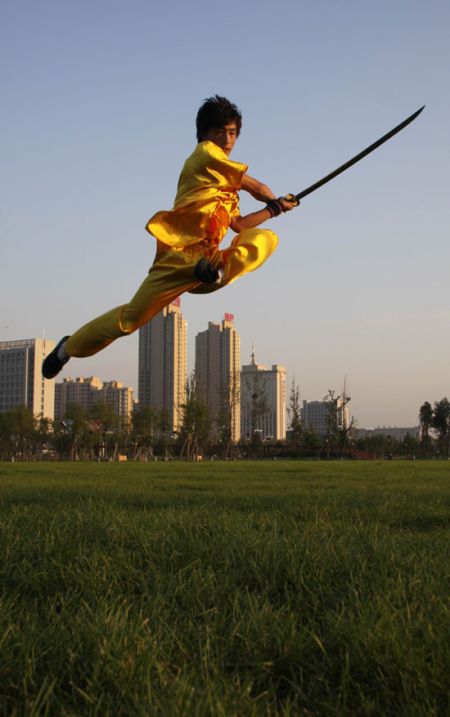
(263, 401)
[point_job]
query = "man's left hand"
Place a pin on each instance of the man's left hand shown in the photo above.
(288, 202)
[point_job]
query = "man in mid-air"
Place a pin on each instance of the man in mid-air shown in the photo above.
(188, 257)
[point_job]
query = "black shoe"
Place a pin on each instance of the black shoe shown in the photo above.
(206, 272)
(52, 364)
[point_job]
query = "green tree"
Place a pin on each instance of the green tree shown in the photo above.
(223, 431)
(44, 437)
(337, 438)
(75, 427)
(104, 425)
(227, 429)
(195, 426)
(256, 409)
(5, 439)
(295, 423)
(20, 425)
(164, 431)
(311, 442)
(426, 423)
(441, 424)
(332, 424)
(144, 427)
(410, 445)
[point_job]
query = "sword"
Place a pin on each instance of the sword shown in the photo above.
(364, 153)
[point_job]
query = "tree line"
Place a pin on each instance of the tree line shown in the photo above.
(98, 434)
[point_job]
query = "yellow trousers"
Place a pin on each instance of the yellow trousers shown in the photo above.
(171, 274)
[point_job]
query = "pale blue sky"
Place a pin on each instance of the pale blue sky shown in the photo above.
(98, 107)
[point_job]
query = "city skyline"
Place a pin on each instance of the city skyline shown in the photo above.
(173, 315)
(95, 131)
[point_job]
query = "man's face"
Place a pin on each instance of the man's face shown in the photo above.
(224, 137)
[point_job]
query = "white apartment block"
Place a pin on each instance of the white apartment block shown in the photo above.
(217, 372)
(263, 401)
(21, 380)
(397, 432)
(163, 363)
(87, 392)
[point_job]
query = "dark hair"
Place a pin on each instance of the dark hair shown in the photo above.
(216, 112)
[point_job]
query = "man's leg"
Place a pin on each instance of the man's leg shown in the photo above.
(247, 252)
(170, 275)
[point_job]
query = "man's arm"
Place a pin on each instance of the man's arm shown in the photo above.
(262, 193)
(259, 191)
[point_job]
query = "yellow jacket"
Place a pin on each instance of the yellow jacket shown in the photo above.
(206, 199)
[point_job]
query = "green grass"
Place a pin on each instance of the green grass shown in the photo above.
(259, 588)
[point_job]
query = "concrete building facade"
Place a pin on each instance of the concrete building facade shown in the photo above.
(217, 372)
(315, 416)
(163, 363)
(21, 380)
(121, 398)
(88, 392)
(263, 401)
(399, 433)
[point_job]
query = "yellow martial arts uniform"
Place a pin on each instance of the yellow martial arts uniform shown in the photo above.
(205, 203)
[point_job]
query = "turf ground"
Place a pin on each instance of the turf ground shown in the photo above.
(253, 588)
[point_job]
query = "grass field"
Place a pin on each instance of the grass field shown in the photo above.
(259, 588)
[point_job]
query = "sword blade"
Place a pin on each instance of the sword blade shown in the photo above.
(359, 156)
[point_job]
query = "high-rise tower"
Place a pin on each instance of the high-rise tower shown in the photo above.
(217, 370)
(163, 363)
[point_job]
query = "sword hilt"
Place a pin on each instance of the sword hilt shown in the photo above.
(275, 206)
(292, 198)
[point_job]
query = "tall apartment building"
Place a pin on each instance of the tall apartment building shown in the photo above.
(163, 363)
(217, 371)
(21, 380)
(315, 415)
(263, 401)
(87, 392)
